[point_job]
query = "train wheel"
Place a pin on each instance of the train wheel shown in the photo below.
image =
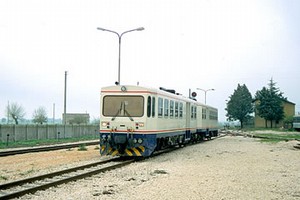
(181, 141)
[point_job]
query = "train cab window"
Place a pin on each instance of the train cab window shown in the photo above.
(176, 109)
(160, 107)
(123, 106)
(153, 106)
(171, 108)
(180, 110)
(192, 112)
(149, 107)
(195, 114)
(166, 107)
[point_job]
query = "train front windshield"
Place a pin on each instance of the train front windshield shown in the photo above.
(123, 106)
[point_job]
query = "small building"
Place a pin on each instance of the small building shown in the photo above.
(288, 110)
(76, 118)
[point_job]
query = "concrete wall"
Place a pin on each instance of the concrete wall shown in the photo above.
(16, 133)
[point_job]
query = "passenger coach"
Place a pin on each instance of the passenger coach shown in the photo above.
(136, 121)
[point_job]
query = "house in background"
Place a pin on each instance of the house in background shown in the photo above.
(76, 118)
(288, 109)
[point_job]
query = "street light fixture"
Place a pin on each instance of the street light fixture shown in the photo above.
(205, 91)
(120, 36)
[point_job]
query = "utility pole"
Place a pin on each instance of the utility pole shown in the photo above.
(65, 99)
(8, 111)
(53, 113)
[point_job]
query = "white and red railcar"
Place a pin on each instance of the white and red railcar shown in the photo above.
(136, 121)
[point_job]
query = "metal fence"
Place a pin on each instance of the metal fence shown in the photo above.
(14, 133)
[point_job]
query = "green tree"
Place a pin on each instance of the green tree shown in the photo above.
(239, 107)
(40, 115)
(15, 111)
(269, 103)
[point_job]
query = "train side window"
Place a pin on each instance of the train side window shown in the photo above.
(160, 107)
(203, 113)
(149, 107)
(153, 106)
(176, 109)
(180, 110)
(166, 107)
(213, 115)
(194, 112)
(171, 108)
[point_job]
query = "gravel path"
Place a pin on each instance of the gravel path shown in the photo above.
(225, 168)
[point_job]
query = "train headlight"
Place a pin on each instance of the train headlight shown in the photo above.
(140, 124)
(104, 124)
(134, 140)
(140, 141)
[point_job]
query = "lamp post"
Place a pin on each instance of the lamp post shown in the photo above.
(205, 91)
(120, 37)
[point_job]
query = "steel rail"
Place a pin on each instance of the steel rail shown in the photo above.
(69, 178)
(47, 148)
(59, 180)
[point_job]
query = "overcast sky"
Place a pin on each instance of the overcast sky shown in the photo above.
(186, 44)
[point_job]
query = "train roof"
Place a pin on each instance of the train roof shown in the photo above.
(133, 89)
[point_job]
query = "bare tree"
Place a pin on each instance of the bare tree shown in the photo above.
(16, 111)
(40, 115)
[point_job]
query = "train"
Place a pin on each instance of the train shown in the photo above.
(296, 122)
(136, 121)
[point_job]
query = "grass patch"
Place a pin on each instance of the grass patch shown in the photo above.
(3, 178)
(27, 172)
(274, 138)
(271, 140)
(269, 129)
(33, 143)
(82, 147)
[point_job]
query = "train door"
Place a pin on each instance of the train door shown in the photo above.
(188, 121)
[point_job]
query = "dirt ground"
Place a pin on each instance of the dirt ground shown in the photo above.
(26, 165)
(231, 167)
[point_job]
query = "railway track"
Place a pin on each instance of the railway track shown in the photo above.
(47, 148)
(33, 184)
(30, 185)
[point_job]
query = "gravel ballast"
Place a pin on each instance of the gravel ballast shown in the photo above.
(224, 168)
